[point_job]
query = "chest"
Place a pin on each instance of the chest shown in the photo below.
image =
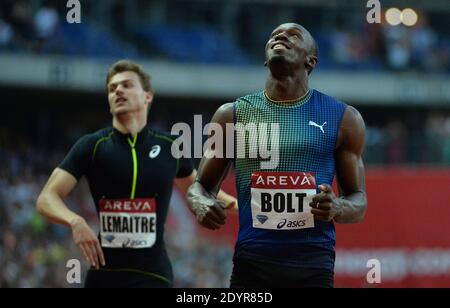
(148, 168)
(293, 132)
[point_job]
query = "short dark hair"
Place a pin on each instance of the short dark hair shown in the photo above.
(130, 66)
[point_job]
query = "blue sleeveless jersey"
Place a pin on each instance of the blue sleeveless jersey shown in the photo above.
(308, 131)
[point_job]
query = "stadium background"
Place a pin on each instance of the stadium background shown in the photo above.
(204, 53)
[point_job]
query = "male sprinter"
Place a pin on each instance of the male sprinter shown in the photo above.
(287, 212)
(130, 171)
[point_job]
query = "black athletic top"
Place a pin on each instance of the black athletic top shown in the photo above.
(131, 182)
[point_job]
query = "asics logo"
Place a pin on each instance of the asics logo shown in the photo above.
(317, 125)
(282, 224)
(154, 152)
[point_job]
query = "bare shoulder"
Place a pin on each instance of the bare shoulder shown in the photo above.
(352, 130)
(353, 118)
(224, 114)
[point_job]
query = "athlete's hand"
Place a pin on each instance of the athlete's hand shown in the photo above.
(325, 205)
(209, 211)
(87, 242)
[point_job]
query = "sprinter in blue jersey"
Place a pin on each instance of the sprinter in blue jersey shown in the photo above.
(287, 209)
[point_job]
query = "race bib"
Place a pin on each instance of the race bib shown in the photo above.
(127, 223)
(280, 200)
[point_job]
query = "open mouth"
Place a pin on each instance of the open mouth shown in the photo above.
(121, 100)
(279, 46)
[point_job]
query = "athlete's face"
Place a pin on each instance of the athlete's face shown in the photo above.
(290, 43)
(126, 94)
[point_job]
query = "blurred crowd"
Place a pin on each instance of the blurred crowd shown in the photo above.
(24, 27)
(346, 41)
(395, 143)
(417, 47)
(397, 48)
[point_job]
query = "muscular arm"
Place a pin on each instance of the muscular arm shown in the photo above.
(50, 203)
(350, 168)
(352, 205)
(212, 170)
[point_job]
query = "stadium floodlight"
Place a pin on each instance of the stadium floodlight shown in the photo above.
(393, 16)
(409, 17)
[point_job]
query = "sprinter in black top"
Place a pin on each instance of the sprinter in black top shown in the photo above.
(130, 170)
(131, 182)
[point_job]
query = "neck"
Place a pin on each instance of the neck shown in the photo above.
(129, 123)
(287, 88)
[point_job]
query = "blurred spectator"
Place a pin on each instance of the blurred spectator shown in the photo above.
(446, 142)
(349, 49)
(119, 23)
(22, 21)
(438, 135)
(375, 143)
(424, 43)
(398, 47)
(341, 49)
(46, 22)
(396, 142)
(6, 33)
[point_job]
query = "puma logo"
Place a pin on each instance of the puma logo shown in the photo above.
(317, 125)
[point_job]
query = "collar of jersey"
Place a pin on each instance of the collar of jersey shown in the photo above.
(289, 104)
(125, 137)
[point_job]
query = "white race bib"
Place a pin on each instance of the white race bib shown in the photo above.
(127, 223)
(280, 200)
